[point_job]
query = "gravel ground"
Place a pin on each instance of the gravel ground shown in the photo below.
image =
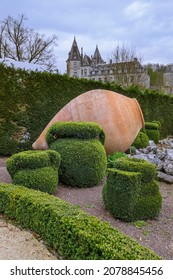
(156, 234)
(19, 244)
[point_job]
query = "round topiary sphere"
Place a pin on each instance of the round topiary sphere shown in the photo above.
(83, 162)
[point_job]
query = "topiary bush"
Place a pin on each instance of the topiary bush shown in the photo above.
(131, 191)
(44, 179)
(68, 230)
(153, 131)
(112, 158)
(121, 192)
(79, 130)
(83, 157)
(148, 170)
(35, 169)
(141, 140)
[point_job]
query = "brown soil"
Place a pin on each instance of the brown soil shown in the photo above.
(156, 234)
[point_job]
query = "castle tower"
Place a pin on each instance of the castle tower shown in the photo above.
(97, 59)
(74, 60)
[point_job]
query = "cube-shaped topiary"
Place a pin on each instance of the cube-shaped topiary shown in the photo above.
(35, 169)
(83, 157)
(121, 193)
(131, 191)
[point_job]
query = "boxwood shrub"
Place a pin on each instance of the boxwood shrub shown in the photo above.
(112, 158)
(83, 162)
(83, 157)
(31, 160)
(68, 230)
(148, 170)
(153, 131)
(44, 179)
(131, 191)
(35, 169)
(80, 130)
(121, 192)
(141, 140)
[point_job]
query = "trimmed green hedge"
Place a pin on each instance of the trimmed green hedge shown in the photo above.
(71, 232)
(80, 130)
(32, 160)
(35, 169)
(131, 192)
(148, 207)
(44, 179)
(112, 158)
(121, 192)
(148, 170)
(153, 131)
(141, 140)
(29, 100)
(83, 162)
(83, 157)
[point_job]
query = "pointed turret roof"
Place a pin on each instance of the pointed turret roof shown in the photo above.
(97, 59)
(74, 54)
(86, 60)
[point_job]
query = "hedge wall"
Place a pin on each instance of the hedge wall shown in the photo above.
(67, 229)
(29, 100)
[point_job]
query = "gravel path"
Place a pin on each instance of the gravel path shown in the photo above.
(156, 234)
(19, 244)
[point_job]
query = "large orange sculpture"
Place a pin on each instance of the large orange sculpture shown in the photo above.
(120, 117)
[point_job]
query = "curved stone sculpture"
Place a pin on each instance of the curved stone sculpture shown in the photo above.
(120, 117)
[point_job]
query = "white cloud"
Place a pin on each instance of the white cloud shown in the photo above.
(137, 9)
(145, 24)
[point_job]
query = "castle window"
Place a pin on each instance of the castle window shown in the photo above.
(82, 72)
(85, 72)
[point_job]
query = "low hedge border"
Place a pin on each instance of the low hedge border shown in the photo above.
(67, 229)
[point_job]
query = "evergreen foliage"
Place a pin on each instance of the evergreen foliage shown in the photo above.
(83, 157)
(80, 130)
(35, 169)
(153, 131)
(131, 192)
(72, 233)
(29, 100)
(141, 140)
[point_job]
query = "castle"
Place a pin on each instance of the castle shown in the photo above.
(95, 68)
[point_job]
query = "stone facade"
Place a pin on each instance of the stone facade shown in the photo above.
(168, 82)
(95, 68)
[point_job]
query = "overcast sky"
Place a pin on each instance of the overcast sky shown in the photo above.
(144, 25)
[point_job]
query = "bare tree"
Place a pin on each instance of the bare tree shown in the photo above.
(23, 44)
(127, 67)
